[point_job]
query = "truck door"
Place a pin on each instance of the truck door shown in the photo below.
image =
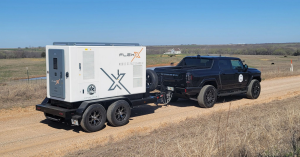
(56, 73)
(241, 77)
(226, 74)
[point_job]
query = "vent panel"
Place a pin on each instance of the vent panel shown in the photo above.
(88, 65)
(137, 76)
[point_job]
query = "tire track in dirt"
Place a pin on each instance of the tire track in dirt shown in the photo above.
(28, 134)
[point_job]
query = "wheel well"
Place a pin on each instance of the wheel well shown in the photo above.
(213, 83)
(257, 78)
(105, 104)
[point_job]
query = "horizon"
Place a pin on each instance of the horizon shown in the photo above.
(36, 23)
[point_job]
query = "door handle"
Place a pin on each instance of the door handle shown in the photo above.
(60, 74)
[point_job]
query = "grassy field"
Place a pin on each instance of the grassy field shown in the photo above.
(272, 131)
(15, 92)
(12, 69)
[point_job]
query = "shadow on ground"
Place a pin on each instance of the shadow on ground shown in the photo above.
(142, 110)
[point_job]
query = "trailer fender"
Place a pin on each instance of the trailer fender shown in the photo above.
(45, 101)
(85, 104)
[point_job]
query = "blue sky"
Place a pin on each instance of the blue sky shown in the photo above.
(25, 23)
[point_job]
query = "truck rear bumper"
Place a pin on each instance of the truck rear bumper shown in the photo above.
(187, 90)
(56, 111)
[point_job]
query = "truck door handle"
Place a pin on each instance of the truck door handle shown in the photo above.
(60, 74)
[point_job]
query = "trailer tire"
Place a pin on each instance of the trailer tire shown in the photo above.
(93, 118)
(253, 89)
(118, 113)
(151, 79)
(207, 96)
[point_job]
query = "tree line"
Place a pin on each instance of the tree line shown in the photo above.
(245, 49)
(22, 53)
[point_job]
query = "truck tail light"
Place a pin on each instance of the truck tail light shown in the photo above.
(189, 78)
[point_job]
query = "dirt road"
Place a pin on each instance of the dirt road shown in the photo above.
(25, 132)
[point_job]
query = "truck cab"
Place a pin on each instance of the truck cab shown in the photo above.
(223, 75)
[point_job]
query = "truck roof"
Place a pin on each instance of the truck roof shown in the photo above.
(213, 57)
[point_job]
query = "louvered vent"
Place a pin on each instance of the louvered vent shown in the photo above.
(137, 76)
(88, 65)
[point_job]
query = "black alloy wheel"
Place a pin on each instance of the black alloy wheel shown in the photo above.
(254, 89)
(210, 97)
(207, 96)
(118, 113)
(121, 113)
(95, 118)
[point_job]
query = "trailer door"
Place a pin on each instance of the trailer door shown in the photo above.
(56, 73)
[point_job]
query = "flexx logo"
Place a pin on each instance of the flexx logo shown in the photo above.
(116, 81)
(137, 55)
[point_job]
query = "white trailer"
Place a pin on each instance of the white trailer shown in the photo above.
(89, 82)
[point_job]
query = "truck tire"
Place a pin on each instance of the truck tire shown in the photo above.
(151, 79)
(253, 89)
(118, 113)
(207, 96)
(93, 118)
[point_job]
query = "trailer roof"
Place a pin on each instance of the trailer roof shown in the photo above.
(94, 44)
(212, 57)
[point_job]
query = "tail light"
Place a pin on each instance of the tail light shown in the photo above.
(189, 78)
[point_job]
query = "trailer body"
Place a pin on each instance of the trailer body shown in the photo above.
(88, 83)
(80, 73)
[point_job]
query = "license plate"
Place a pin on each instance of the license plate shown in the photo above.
(74, 122)
(170, 88)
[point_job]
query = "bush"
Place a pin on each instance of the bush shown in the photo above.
(297, 53)
(43, 54)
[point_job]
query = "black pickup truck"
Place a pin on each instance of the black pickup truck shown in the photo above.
(204, 78)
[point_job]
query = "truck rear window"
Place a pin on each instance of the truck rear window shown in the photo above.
(199, 62)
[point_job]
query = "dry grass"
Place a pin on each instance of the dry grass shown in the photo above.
(22, 93)
(271, 129)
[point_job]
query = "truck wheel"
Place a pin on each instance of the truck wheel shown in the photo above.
(93, 118)
(207, 96)
(253, 89)
(151, 79)
(118, 113)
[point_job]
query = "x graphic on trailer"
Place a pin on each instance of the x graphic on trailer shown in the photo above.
(116, 81)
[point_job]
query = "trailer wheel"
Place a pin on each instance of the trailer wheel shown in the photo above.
(253, 89)
(151, 79)
(207, 96)
(118, 113)
(94, 118)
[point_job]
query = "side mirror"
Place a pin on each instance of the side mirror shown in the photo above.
(245, 67)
